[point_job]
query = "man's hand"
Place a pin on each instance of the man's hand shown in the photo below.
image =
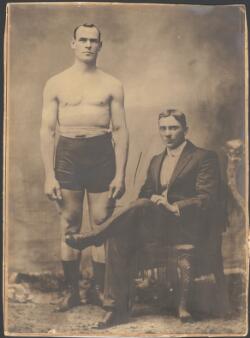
(52, 189)
(156, 198)
(116, 188)
(162, 200)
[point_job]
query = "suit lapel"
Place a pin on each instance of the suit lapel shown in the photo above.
(184, 159)
(158, 165)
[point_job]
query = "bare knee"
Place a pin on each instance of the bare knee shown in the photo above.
(100, 217)
(72, 218)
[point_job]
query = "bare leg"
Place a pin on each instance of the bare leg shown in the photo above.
(70, 209)
(100, 207)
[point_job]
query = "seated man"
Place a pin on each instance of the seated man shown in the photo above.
(177, 205)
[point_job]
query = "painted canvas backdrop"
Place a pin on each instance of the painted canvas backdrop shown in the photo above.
(185, 56)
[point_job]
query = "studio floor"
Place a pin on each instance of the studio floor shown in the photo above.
(31, 309)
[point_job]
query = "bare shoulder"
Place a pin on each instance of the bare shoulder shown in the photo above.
(112, 82)
(55, 82)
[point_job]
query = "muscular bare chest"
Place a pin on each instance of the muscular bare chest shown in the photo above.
(81, 93)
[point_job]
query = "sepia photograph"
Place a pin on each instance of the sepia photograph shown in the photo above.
(125, 170)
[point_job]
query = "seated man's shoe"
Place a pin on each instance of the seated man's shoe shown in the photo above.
(111, 318)
(69, 301)
(80, 241)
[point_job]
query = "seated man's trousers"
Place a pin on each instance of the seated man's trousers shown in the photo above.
(128, 232)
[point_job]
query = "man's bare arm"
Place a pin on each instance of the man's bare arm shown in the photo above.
(120, 136)
(47, 137)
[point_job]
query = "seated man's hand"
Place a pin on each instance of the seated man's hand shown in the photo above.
(162, 200)
(156, 198)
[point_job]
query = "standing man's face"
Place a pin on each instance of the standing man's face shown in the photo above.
(171, 131)
(86, 44)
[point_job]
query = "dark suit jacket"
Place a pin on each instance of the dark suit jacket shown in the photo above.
(195, 187)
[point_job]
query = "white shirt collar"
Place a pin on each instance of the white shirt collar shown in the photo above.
(177, 151)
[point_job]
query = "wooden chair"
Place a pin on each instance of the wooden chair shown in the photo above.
(160, 263)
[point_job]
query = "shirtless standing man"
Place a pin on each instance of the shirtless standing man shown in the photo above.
(85, 104)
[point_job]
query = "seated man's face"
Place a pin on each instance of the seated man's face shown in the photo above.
(171, 131)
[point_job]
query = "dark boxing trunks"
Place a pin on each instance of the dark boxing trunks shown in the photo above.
(85, 163)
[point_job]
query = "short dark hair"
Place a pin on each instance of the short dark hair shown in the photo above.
(179, 116)
(88, 25)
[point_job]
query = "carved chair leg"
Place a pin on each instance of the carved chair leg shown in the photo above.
(185, 266)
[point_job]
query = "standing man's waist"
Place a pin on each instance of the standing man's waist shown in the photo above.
(83, 131)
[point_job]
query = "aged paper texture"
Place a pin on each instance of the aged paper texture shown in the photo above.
(68, 93)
